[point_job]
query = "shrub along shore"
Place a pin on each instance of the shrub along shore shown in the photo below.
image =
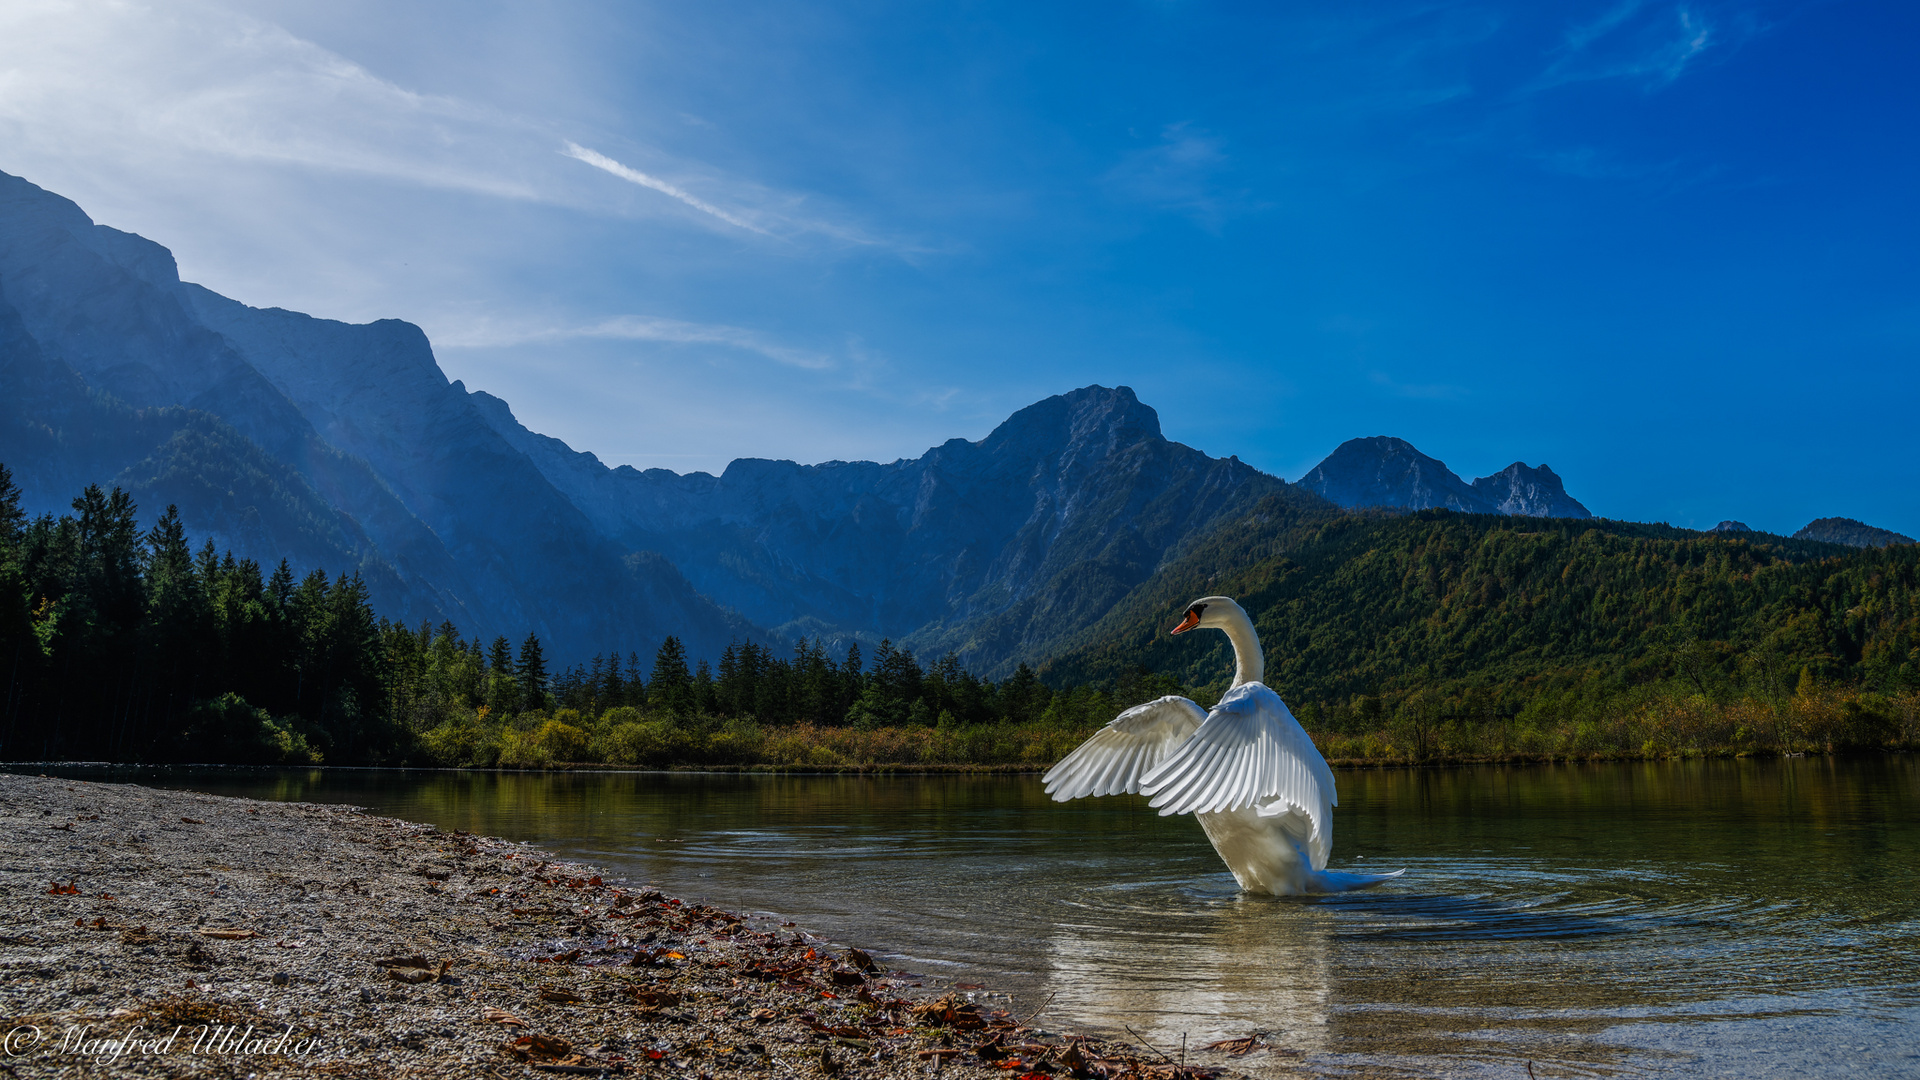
(1657, 727)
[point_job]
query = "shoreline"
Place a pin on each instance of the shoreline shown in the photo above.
(159, 931)
(962, 769)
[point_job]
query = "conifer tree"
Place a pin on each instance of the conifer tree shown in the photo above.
(532, 672)
(671, 683)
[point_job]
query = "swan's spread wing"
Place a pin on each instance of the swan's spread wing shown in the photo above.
(1118, 755)
(1250, 752)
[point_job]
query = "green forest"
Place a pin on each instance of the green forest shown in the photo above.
(1430, 636)
(1436, 634)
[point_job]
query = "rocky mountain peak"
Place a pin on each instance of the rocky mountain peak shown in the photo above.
(1381, 470)
(1528, 492)
(1093, 417)
(1385, 471)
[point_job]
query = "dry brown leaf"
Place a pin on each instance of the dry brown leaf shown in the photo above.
(230, 935)
(501, 1016)
(1240, 1047)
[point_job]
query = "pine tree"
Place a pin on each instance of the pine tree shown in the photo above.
(532, 672)
(500, 656)
(670, 686)
(13, 520)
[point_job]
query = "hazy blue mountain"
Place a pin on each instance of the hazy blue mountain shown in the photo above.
(991, 548)
(1839, 530)
(1731, 526)
(283, 435)
(345, 446)
(1389, 472)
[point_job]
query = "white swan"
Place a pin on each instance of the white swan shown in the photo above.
(1247, 770)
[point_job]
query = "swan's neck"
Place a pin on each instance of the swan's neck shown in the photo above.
(1249, 664)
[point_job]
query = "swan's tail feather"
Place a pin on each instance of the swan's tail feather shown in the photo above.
(1326, 881)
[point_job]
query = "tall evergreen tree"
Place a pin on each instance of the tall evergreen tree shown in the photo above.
(500, 656)
(532, 672)
(671, 684)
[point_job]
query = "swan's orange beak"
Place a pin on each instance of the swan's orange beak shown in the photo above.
(1192, 620)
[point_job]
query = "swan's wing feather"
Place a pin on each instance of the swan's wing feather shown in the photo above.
(1118, 755)
(1250, 752)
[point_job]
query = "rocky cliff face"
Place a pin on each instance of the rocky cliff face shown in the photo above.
(1390, 472)
(375, 461)
(1839, 530)
(1528, 492)
(991, 548)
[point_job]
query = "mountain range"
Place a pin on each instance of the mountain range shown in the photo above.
(345, 447)
(1385, 471)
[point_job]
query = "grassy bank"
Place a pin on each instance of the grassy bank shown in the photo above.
(1658, 723)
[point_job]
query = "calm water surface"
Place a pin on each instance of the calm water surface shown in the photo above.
(1726, 918)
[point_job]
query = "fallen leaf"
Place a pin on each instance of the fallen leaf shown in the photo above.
(501, 1016)
(71, 888)
(546, 1045)
(230, 935)
(1238, 1047)
(403, 962)
(562, 997)
(192, 821)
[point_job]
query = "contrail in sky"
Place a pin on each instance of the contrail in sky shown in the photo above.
(635, 176)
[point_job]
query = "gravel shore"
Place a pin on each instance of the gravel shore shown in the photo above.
(165, 933)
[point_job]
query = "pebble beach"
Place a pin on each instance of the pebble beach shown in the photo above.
(152, 932)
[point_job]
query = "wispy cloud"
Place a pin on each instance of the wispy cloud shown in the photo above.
(1649, 44)
(635, 176)
(1179, 171)
(193, 86)
(488, 334)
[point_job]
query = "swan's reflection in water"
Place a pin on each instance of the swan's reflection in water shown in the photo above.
(1176, 962)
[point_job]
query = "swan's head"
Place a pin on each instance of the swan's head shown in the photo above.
(1218, 612)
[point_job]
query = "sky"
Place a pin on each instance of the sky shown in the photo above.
(1670, 249)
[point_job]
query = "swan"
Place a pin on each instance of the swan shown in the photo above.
(1247, 770)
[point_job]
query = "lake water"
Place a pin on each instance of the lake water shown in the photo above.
(1723, 918)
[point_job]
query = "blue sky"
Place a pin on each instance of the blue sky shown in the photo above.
(1668, 248)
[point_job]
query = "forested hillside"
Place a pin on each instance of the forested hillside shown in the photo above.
(1479, 619)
